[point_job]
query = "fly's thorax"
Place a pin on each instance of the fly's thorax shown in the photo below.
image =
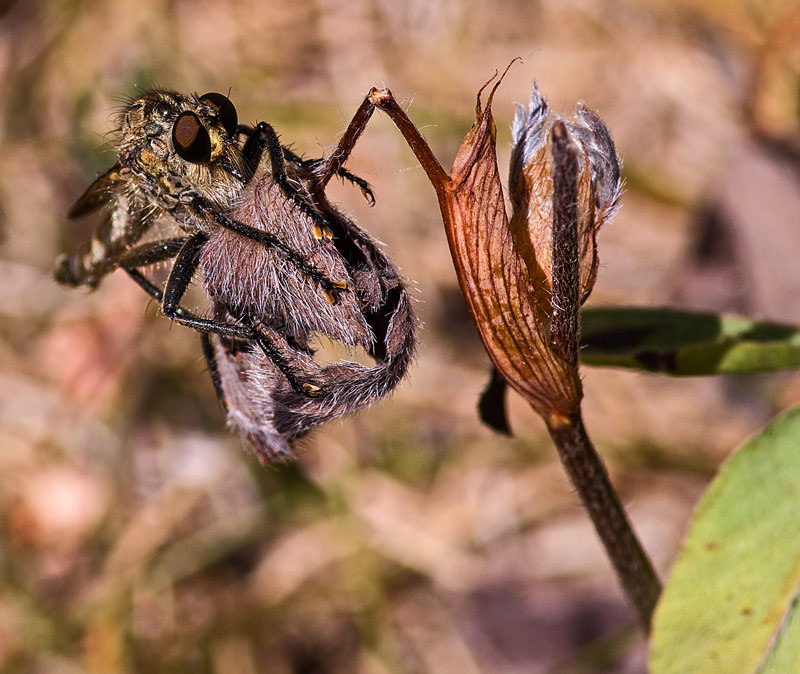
(178, 148)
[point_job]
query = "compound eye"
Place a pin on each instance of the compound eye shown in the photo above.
(191, 139)
(225, 109)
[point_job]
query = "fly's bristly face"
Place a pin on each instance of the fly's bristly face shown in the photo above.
(179, 147)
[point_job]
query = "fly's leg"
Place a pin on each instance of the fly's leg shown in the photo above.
(314, 164)
(384, 99)
(271, 343)
(264, 139)
(253, 151)
(211, 360)
(186, 251)
(363, 185)
(180, 276)
(158, 251)
(145, 255)
(267, 346)
(149, 253)
(201, 207)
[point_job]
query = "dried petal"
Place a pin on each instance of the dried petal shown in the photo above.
(531, 186)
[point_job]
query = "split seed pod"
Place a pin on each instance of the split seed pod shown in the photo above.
(525, 278)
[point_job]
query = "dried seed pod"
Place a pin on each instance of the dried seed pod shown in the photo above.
(524, 278)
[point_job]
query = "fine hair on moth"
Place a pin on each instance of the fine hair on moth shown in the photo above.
(279, 263)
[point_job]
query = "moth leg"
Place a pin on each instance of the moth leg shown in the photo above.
(201, 207)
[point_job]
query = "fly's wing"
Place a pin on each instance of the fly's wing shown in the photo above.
(98, 194)
(123, 226)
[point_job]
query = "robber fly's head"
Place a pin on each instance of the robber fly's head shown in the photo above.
(179, 147)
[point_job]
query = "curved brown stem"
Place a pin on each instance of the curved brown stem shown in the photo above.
(590, 477)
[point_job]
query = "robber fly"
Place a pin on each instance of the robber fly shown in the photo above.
(278, 262)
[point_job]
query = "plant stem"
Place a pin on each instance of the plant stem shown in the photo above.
(590, 477)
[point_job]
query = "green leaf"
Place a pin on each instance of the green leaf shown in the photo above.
(730, 605)
(785, 656)
(685, 343)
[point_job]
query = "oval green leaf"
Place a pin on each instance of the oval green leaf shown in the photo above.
(730, 605)
(685, 343)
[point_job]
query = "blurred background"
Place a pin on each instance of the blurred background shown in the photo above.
(138, 535)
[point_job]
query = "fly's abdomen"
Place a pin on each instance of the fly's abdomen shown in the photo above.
(98, 255)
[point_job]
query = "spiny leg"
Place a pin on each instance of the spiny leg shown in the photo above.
(264, 139)
(343, 173)
(267, 346)
(269, 341)
(181, 315)
(149, 253)
(384, 99)
(157, 251)
(254, 150)
(154, 291)
(180, 277)
(201, 207)
(186, 260)
(213, 368)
